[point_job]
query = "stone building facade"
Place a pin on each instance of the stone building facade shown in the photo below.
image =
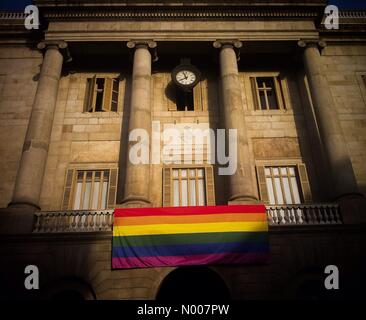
(71, 92)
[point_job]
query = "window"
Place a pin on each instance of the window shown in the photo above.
(90, 189)
(267, 93)
(188, 186)
(187, 101)
(184, 100)
(280, 185)
(101, 94)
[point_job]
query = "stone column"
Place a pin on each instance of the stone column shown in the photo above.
(32, 165)
(339, 161)
(137, 183)
(242, 189)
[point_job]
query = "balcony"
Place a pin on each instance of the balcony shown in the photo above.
(98, 221)
(309, 214)
(73, 221)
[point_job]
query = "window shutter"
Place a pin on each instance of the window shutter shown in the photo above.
(253, 83)
(115, 94)
(67, 191)
(305, 186)
(262, 185)
(113, 174)
(167, 187)
(197, 97)
(210, 186)
(90, 94)
(107, 96)
(279, 93)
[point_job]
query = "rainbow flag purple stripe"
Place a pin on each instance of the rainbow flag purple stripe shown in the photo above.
(180, 236)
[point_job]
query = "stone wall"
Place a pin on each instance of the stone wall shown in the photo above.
(84, 140)
(19, 68)
(87, 258)
(344, 66)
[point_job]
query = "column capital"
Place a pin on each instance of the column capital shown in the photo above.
(320, 44)
(151, 45)
(60, 45)
(233, 44)
(219, 44)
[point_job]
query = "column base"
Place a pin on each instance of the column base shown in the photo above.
(17, 220)
(24, 205)
(353, 208)
(242, 199)
(134, 202)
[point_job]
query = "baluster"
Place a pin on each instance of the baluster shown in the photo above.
(337, 215)
(327, 217)
(295, 219)
(332, 218)
(283, 219)
(297, 215)
(320, 214)
(310, 215)
(91, 220)
(273, 211)
(86, 221)
(79, 216)
(97, 220)
(278, 215)
(73, 223)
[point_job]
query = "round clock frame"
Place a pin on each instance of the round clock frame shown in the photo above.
(189, 68)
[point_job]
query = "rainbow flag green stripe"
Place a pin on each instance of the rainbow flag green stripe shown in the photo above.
(177, 236)
(188, 238)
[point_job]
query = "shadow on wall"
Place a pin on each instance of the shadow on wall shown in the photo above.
(69, 289)
(309, 285)
(193, 284)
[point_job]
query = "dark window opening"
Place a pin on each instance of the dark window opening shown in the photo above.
(100, 91)
(267, 93)
(184, 100)
(194, 283)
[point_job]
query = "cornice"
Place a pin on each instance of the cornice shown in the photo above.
(179, 13)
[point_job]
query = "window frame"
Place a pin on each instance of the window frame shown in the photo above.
(108, 103)
(168, 188)
(71, 180)
(252, 95)
(302, 179)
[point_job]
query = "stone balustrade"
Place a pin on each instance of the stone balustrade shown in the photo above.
(73, 221)
(96, 221)
(309, 214)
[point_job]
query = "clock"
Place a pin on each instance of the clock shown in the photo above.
(186, 76)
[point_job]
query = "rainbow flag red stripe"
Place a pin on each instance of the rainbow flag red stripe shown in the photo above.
(178, 236)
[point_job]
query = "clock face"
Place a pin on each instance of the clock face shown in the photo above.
(185, 77)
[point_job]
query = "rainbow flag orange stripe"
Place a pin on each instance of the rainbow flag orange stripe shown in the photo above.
(177, 236)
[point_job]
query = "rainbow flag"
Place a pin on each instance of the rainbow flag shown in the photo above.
(180, 236)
